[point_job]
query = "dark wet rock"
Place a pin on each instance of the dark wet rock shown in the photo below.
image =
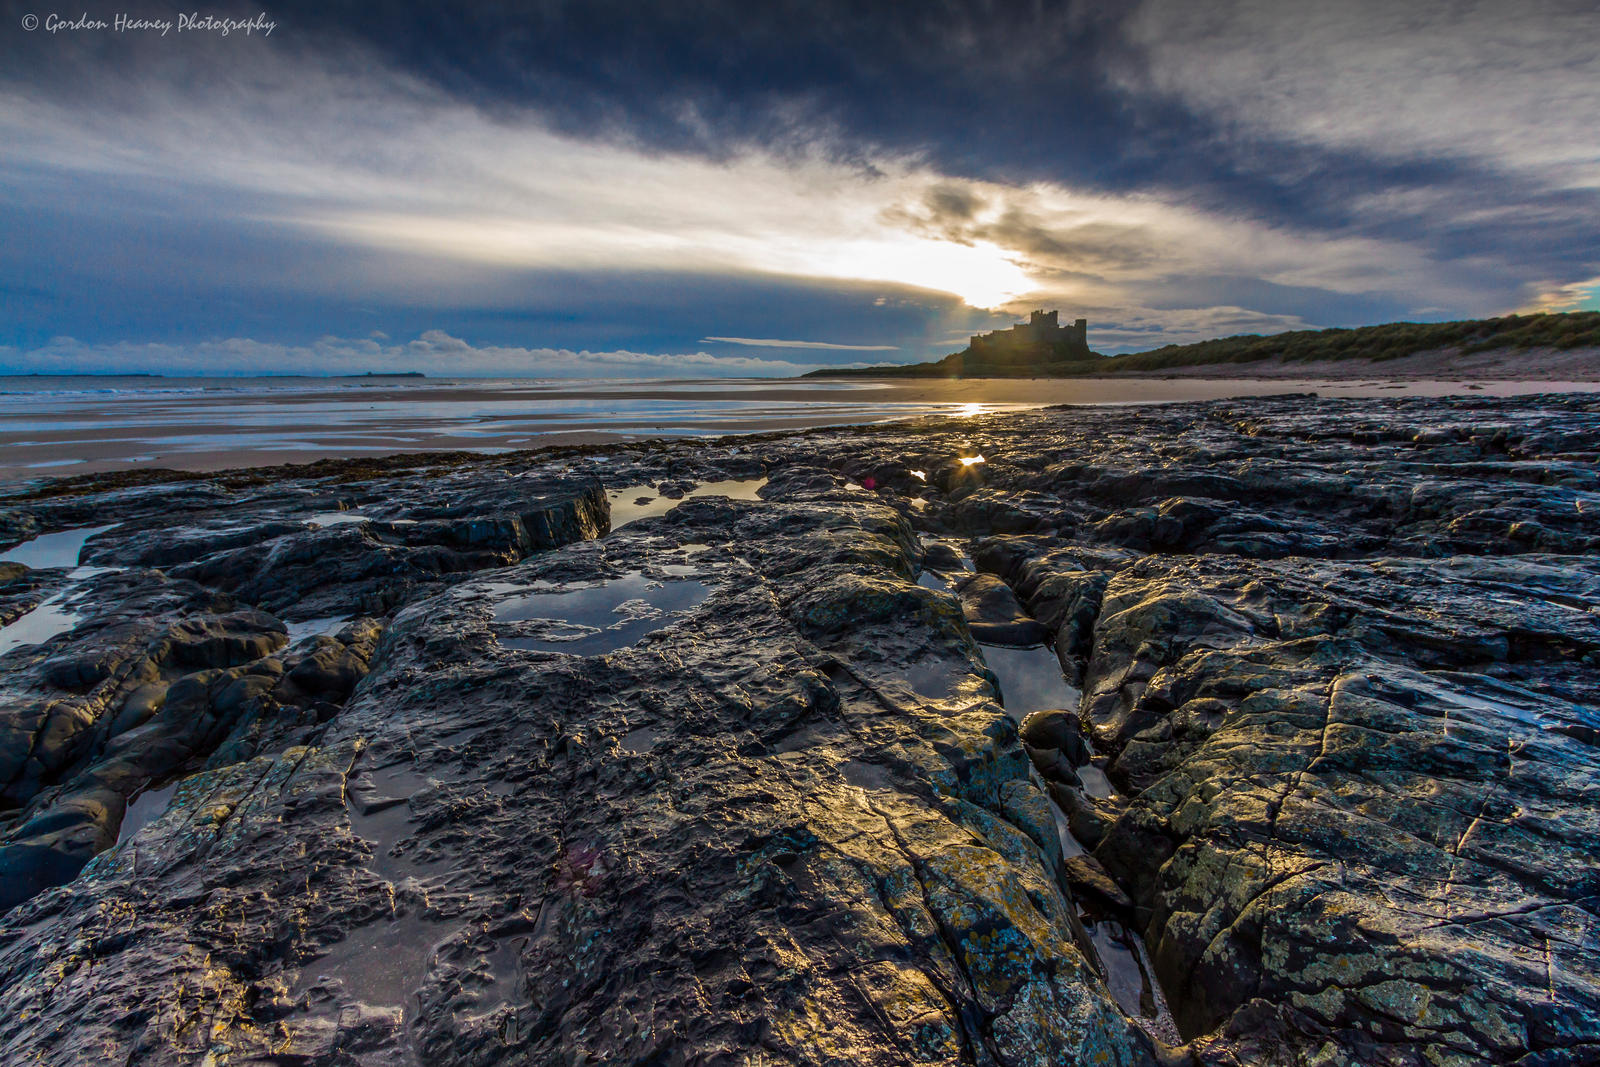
(674, 490)
(1354, 799)
(370, 565)
(1338, 659)
(333, 666)
(162, 678)
(1091, 883)
(942, 556)
(995, 615)
(1061, 586)
(1054, 766)
(951, 475)
(156, 542)
(743, 831)
(1089, 821)
(22, 589)
(1056, 730)
(16, 526)
(983, 511)
(798, 478)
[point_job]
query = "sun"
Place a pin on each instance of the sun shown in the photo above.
(983, 275)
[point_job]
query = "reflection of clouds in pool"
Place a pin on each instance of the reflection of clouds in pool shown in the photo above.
(595, 619)
(39, 625)
(1030, 680)
(634, 502)
(59, 549)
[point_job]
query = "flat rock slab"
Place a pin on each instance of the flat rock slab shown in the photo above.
(740, 830)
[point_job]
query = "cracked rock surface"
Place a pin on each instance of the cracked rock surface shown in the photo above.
(383, 762)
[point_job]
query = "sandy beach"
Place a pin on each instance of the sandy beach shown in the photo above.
(67, 426)
(1558, 367)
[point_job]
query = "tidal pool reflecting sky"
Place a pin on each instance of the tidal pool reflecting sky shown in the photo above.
(725, 188)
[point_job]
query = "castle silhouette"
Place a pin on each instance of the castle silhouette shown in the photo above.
(1040, 341)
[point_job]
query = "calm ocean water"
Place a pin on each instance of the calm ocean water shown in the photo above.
(70, 425)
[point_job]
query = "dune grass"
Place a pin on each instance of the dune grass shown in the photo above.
(1375, 344)
(1393, 340)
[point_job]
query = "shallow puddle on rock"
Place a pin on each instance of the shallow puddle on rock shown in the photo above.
(1524, 708)
(640, 741)
(47, 620)
(1030, 680)
(381, 964)
(1095, 782)
(505, 970)
(1130, 979)
(60, 549)
(144, 809)
(299, 631)
(333, 518)
(1070, 846)
(635, 502)
(379, 805)
(594, 620)
(934, 580)
(935, 679)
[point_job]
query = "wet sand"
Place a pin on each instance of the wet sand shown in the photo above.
(81, 429)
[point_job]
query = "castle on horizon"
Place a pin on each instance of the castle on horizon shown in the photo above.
(1042, 331)
(1039, 347)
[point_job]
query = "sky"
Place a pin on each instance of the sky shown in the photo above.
(708, 188)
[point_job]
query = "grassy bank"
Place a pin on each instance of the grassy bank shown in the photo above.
(1376, 344)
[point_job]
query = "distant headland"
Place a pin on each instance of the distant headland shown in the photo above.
(1560, 344)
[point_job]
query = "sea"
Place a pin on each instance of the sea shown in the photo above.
(54, 426)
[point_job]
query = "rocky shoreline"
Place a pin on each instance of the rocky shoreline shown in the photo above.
(1241, 732)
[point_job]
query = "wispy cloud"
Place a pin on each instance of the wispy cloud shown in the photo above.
(435, 353)
(772, 342)
(1576, 296)
(381, 161)
(1515, 84)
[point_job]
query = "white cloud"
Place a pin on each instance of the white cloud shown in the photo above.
(435, 353)
(1514, 85)
(1574, 296)
(771, 342)
(378, 161)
